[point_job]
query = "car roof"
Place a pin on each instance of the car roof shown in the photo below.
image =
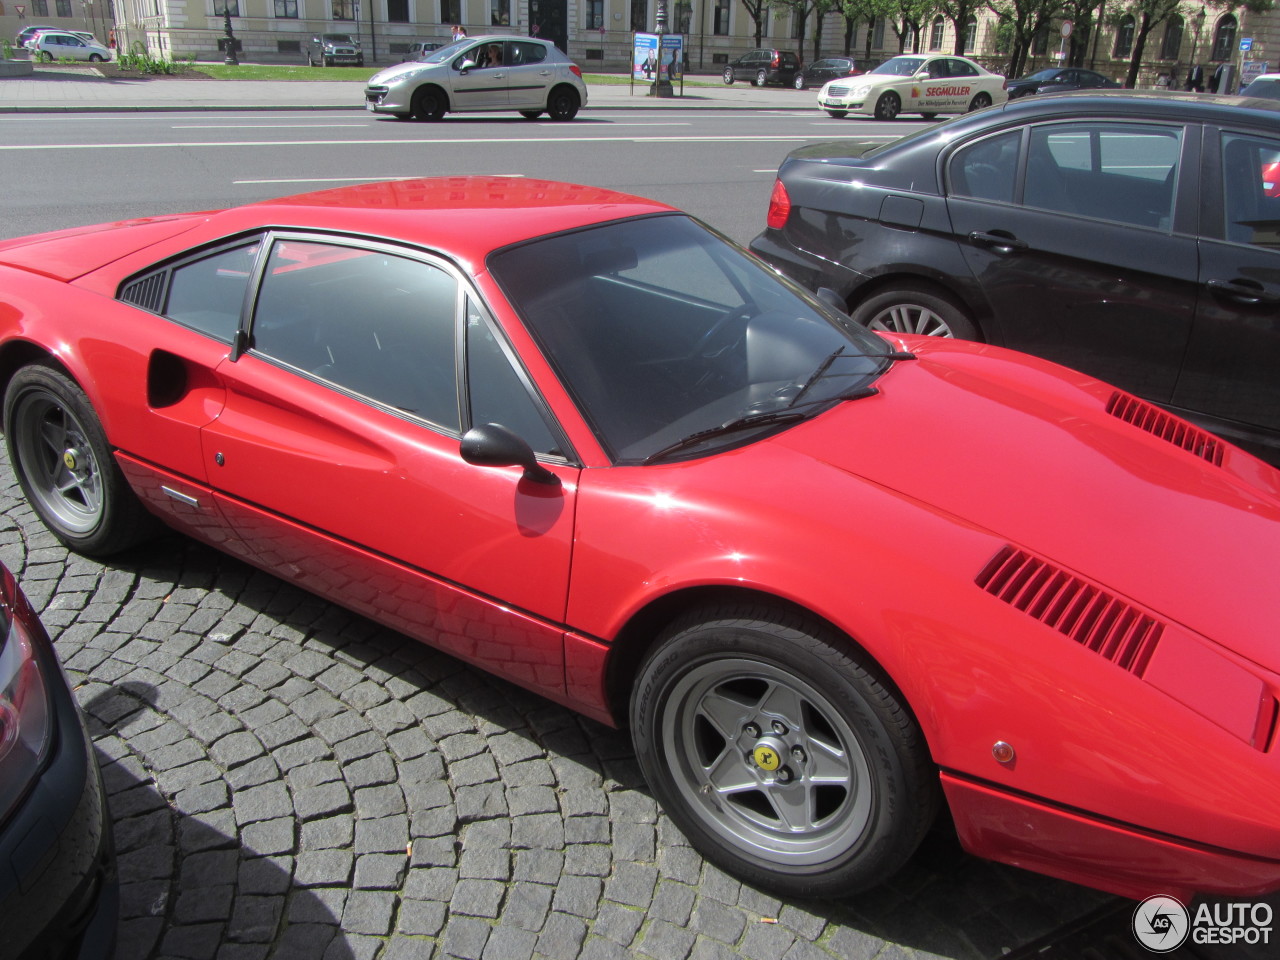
(1176, 105)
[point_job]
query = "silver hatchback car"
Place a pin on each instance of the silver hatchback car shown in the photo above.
(481, 73)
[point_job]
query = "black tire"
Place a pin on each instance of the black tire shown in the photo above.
(839, 114)
(728, 75)
(735, 710)
(912, 307)
(46, 56)
(328, 61)
(798, 81)
(563, 104)
(980, 102)
(429, 104)
(65, 465)
(761, 78)
(888, 106)
(531, 114)
(929, 116)
(360, 62)
(95, 58)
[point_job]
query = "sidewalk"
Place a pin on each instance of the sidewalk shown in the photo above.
(52, 89)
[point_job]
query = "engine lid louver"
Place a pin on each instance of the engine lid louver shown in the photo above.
(1105, 624)
(1153, 420)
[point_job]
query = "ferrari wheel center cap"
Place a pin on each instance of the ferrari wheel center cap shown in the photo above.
(767, 754)
(70, 459)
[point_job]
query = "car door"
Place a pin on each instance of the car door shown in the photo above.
(530, 74)
(1232, 369)
(1074, 243)
(482, 86)
(337, 455)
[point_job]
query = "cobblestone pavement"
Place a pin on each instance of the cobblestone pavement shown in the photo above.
(289, 780)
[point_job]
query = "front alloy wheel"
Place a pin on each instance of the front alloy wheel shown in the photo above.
(888, 106)
(779, 757)
(728, 74)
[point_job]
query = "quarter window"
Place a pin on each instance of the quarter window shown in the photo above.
(375, 324)
(208, 295)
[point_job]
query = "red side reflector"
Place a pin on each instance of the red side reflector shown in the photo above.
(779, 207)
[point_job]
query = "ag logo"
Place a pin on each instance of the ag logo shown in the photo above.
(766, 758)
(1161, 924)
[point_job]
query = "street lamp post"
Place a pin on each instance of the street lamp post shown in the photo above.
(1195, 38)
(662, 79)
(231, 59)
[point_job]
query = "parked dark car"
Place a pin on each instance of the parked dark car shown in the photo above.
(1059, 80)
(1128, 235)
(762, 66)
(832, 68)
(58, 889)
(334, 50)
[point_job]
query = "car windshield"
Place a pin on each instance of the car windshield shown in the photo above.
(441, 54)
(675, 342)
(900, 66)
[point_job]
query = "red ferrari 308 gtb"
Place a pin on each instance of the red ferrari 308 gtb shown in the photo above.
(831, 580)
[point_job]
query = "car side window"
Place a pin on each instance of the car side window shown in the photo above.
(1125, 173)
(524, 53)
(206, 294)
(496, 390)
(375, 324)
(961, 69)
(1251, 190)
(988, 169)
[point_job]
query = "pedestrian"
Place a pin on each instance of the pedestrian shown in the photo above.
(1195, 78)
(459, 32)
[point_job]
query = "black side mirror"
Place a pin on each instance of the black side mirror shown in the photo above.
(493, 445)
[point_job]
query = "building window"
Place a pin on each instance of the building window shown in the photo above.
(1224, 38)
(39, 8)
(1172, 43)
(343, 9)
(720, 18)
(63, 7)
(877, 35)
(451, 11)
(640, 16)
(500, 12)
(1124, 38)
(595, 14)
(287, 9)
(681, 17)
(971, 35)
(935, 35)
(222, 7)
(397, 11)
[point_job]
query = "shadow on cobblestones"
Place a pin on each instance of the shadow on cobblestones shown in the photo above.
(288, 779)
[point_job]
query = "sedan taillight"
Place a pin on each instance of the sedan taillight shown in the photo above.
(779, 207)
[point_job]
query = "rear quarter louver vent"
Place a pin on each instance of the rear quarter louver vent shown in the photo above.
(1086, 613)
(147, 293)
(1164, 425)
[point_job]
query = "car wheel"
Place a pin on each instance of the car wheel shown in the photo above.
(563, 103)
(888, 106)
(328, 61)
(360, 62)
(761, 78)
(838, 114)
(780, 757)
(531, 114)
(728, 74)
(915, 308)
(929, 116)
(65, 466)
(798, 82)
(429, 104)
(980, 102)
(95, 58)
(46, 56)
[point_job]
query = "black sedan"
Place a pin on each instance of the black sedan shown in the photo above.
(1059, 80)
(58, 893)
(832, 68)
(1130, 236)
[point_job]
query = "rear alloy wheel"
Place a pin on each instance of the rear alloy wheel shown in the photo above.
(761, 78)
(728, 74)
(65, 465)
(914, 308)
(838, 114)
(980, 102)
(95, 58)
(798, 82)
(780, 757)
(888, 106)
(563, 104)
(46, 56)
(429, 104)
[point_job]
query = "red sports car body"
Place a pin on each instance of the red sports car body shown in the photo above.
(831, 580)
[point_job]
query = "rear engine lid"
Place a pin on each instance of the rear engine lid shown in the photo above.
(67, 254)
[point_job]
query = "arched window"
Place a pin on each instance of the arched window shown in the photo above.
(1224, 38)
(1172, 39)
(971, 35)
(1124, 37)
(1040, 41)
(935, 35)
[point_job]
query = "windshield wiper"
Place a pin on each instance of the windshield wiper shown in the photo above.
(839, 354)
(731, 426)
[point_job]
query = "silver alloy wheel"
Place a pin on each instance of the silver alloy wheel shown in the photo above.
(57, 458)
(767, 762)
(910, 318)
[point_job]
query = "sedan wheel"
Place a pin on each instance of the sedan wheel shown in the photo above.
(65, 465)
(798, 82)
(888, 106)
(779, 756)
(917, 310)
(980, 102)
(761, 78)
(728, 74)
(838, 114)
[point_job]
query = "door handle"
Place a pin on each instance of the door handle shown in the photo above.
(1242, 291)
(1000, 242)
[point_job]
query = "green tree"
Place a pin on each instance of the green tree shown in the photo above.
(758, 10)
(1149, 14)
(1023, 18)
(959, 12)
(854, 13)
(802, 10)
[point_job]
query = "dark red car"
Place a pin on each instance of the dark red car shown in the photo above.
(832, 580)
